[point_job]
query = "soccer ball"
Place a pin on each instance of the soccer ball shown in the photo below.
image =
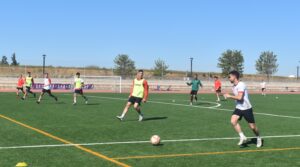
(155, 140)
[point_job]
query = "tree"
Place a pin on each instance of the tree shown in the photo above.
(231, 60)
(4, 60)
(160, 68)
(267, 64)
(124, 66)
(14, 61)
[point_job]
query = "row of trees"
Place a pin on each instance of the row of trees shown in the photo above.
(14, 62)
(266, 64)
(125, 67)
(230, 60)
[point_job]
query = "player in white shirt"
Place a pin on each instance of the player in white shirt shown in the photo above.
(46, 89)
(263, 88)
(243, 109)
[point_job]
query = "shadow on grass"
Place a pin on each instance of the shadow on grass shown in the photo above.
(155, 118)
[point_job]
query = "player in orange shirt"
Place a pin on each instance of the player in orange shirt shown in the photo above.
(218, 88)
(139, 93)
(20, 85)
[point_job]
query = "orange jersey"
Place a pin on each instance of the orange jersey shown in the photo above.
(21, 82)
(218, 84)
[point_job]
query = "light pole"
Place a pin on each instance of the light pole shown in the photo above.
(44, 63)
(298, 71)
(191, 66)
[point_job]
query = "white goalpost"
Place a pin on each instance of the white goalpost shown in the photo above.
(104, 83)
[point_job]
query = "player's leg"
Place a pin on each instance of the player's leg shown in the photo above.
(51, 95)
(40, 97)
(137, 107)
(29, 91)
(74, 98)
(237, 127)
(192, 98)
(85, 98)
(26, 93)
(249, 117)
(126, 108)
(218, 95)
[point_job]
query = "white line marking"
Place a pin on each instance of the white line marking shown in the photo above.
(212, 108)
(139, 142)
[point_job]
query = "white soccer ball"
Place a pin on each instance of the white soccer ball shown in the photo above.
(155, 140)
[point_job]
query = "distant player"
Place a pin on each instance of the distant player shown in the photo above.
(139, 93)
(218, 88)
(263, 88)
(196, 84)
(29, 82)
(20, 85)
(243, 109)
(46, 89)
(78, 88)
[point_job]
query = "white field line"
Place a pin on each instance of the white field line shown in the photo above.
(212, 108)
(139, 142)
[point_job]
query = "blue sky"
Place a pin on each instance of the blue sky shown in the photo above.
(93, 32)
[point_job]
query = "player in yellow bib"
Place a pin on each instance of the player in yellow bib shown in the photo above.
(78, 88)
(139, 93)
(29, 82)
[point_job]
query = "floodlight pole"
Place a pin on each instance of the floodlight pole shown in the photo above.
(191, 66)
(44, 63)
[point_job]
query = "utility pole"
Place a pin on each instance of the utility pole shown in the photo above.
(298, 67)
(44, 63)
(191, 66)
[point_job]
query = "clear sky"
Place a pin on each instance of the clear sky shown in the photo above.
(93, 32)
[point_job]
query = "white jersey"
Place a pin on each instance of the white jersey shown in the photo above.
(47, 83)
(243, 104)
(263, 85)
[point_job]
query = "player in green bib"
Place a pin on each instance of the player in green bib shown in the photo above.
(196, 84)
(78, 88)
(29, 82)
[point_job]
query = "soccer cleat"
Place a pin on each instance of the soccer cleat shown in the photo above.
(242, 141)
(56, 99)
(259, 143)
(34, 95)
(23, 98)
(74, 104)
(120, 118)
(141, 118)
(191, 104)
(38, 102)
(86, 102)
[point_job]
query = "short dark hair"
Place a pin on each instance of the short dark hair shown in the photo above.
(141, 71)
(77, 73)
(216, 77)
(235, 73)
(28, 72)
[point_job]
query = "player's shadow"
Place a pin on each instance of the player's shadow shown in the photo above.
(202, 104)
(155, 118)
(253, 141)
(93, 104)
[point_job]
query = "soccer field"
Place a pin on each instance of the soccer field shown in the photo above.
(58, 134)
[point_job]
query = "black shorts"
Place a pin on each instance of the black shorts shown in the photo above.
(219, 90)
(247, 114)
(194, 92)
(28, 89)
(46, 91)
(78, 91)
(21, 88)
(134, 100)
(263, 89)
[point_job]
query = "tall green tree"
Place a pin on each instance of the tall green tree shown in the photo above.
(124, 66)
(4, 60)
(267, 64)
(160, 68)
(231, 60)
(14, 61)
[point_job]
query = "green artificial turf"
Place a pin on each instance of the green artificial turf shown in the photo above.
(167, 115)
